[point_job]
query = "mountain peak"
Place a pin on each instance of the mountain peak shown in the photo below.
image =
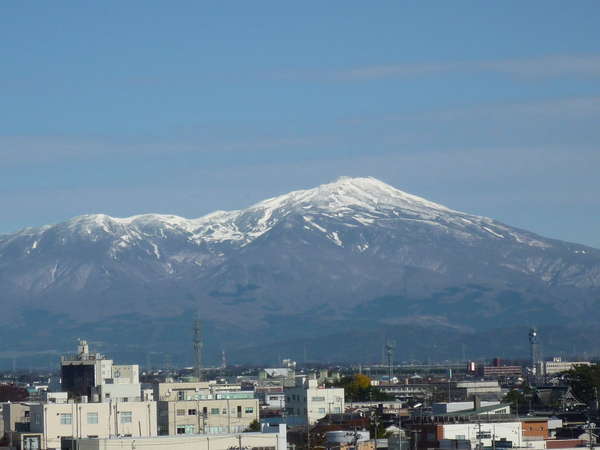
(350, 193)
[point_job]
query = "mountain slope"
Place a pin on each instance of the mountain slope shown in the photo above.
(353, 251)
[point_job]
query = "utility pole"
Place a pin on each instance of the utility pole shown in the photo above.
(590, 427)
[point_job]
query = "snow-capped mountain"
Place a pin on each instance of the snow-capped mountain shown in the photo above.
(355, 249)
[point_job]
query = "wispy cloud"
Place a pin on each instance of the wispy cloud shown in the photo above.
(537, 67)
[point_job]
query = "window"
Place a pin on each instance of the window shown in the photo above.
(66, 419)
(180, 395)
(239, 411)
(181, 412)
(191, 412)
(249, 411)
(214, 410)
(92, 418)
(224, 411)
(180, 430)
(126, 417)
(337, 409)
(318, 399)
(321, 410)
(204, 411)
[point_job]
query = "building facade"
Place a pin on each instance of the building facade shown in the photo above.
(90, 376)
(557, 365)
(81, 420)
(250, 441)
(308, 402)
(229, 415)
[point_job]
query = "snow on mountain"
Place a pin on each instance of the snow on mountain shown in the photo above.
(349, 202)
(355, 250)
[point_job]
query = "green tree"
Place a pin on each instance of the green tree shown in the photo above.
(585, 382)
(517, 400)
(254, 426)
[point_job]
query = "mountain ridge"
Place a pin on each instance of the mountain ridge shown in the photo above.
(353, 251)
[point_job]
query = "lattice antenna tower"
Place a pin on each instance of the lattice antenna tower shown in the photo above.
(198, 346)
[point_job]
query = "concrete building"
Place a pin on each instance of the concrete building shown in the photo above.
(218, 416)
(557, 365)
(91, 376)
(102, 420)
(263, 441)
(16, 416)
(497, 369)
(308, 402)
(271, 400)
(467, 390)
(446, 408)
(192, 390)
(407, 391)
(428, 434)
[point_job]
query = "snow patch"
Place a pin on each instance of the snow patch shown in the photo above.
(317, 226)
(335, 238)
(155, 248)
(489, 230)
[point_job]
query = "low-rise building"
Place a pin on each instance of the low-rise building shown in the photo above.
(309, 402)
(225, 415)
(55, 421)
(265, 440)
(557, 365)
(16, 416)
(467, 390)
(446, 408)
(429, 434)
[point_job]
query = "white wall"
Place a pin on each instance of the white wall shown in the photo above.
(196, 442)
(511, 431)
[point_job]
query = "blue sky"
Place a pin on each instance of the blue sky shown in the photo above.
(186, 107)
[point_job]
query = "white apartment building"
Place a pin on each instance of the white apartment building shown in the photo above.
(308, 402)
(82, 420)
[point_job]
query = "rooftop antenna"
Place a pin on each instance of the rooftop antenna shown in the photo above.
(198, 346)
(389, 349)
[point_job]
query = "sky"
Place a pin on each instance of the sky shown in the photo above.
(123, 108)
